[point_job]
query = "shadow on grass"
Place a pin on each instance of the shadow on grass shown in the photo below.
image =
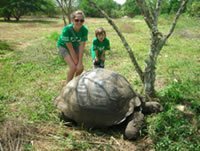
(4, 45)
(116, 131)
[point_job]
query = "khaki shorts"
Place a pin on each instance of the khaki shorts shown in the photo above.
(64, 51)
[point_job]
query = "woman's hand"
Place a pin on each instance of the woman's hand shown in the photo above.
(79, 68)
(96, 59)
(72, 53)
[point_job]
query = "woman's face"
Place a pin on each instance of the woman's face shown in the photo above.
(78, 21)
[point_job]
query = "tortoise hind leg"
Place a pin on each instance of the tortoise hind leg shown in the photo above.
(132, 130)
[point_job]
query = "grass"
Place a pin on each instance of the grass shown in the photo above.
(32, 73)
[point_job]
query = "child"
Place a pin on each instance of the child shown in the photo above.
(100, 45)
(71, 44)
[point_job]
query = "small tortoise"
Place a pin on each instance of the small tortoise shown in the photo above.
(101, 98)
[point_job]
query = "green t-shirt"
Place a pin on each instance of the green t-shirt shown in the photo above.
(99, 46)
(70, 35)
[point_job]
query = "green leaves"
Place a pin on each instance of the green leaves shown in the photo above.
(18, 8)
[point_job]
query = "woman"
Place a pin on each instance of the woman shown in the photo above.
(71, 44)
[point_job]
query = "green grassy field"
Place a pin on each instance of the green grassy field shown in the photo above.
(32, 74)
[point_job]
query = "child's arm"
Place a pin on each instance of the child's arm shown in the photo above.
(107, 47)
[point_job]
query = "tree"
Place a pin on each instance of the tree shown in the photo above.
(194, 8)
(66, 6)
(173, 6)
(5, 12)
(130, 8)
(88, 10)
(109, 6)
(158, 39)
(48, 8)
(18, 8)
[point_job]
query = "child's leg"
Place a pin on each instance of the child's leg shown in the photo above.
(93, 62)
(102, 64)
(96, 64)
(102, 60)
(80, 67)
(72, 68)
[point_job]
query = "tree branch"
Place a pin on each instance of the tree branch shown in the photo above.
(151, 9)
(62, 7)
(69, 10)
(181, 8)
(126, 45)
(146, 12)
(157, 11)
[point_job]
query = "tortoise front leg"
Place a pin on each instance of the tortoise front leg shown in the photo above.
(67, 121)
(132, 130)
(151, 107)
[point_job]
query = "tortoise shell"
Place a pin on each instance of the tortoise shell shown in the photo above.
(97, 98)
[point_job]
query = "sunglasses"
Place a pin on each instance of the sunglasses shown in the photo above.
(79, 20)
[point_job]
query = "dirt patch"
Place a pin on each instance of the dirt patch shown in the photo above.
(128, 28)
(48, 137)
(160, 83)
(189, 34)
(29, 25)
(13, 135)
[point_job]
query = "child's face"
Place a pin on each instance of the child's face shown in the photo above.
(101, 37)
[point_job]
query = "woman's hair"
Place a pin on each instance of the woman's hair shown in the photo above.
(78, 12)
(100, 31)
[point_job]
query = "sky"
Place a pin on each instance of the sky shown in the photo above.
(120, 1)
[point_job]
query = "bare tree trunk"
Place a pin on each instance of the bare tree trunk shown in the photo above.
(64, 20)
(69, 10)
(150, 69)
(157, 42)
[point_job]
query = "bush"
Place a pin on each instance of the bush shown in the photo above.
(3, 111)
(175, 129)
(194, 9)
(53, 36)
(5, 46)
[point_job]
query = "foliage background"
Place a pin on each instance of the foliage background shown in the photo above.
(19, 8)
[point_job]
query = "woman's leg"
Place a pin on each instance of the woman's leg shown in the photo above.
(72, 68)
(80, 67)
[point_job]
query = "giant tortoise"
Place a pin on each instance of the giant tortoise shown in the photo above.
(102, 98)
